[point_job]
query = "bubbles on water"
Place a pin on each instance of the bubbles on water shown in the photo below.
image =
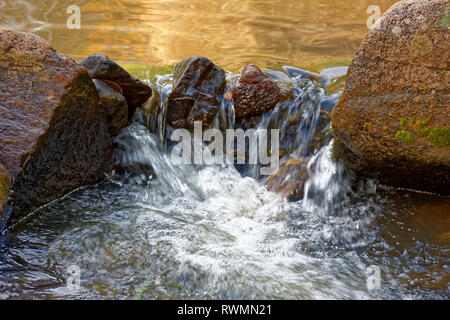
(159, 230)
(327, 185)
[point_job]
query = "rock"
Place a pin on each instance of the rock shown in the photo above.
(393, 119)
(5, 182)
(255, 93)
(290, 179)
(114, 104)
(113, 85)
(54, 136)
(151, 113)
(135, 91)
(198, 87)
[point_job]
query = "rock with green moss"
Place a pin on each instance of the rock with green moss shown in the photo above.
(392, 121)
(440, 137)
(404, 136)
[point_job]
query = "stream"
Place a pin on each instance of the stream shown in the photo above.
(160, 230)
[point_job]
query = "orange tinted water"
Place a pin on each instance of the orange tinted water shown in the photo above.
(229, 32)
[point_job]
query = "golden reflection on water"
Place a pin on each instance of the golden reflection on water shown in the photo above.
(229, 32)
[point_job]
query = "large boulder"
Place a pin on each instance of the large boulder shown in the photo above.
(54, 135)
(198, 87)
(255, 93)
(393, 119)
(101, 67)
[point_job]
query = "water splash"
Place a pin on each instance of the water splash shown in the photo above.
(160, 230)
(328, 183)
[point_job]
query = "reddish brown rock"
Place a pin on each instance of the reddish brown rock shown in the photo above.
(114, 105)
(53, 134)
(393, 119)
(113, 85)
(290, 179)
(198, 88)
(101, 67)
(255, 93)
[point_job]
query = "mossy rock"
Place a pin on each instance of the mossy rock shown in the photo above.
(394, 116)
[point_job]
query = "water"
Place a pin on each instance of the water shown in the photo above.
(157, 230)
(231, 33)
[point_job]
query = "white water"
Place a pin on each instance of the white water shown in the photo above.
(230, 229)
(158, 230)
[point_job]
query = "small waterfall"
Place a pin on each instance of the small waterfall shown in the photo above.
(327, 185)
(140, 153)
(303, 118)
(155, 110)
(160, 230)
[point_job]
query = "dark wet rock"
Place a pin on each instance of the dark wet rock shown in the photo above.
(113, 85)
(198, 88)
(5, 183)
(255, 93)
(290, 179)
(115, 106)
(54, 136)
(286, 95)
(101, 67)
(393, 119)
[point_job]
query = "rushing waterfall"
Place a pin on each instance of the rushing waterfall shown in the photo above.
(156, 229)
(327, 183)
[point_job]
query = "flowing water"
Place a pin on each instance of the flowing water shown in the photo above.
(155, 229)
(163, 230)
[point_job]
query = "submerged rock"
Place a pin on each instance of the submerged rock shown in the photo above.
(114, 104)
(198, 87)
(393, 119)
(54, 135)
(255, 93)
(135, 91)
(290, 179)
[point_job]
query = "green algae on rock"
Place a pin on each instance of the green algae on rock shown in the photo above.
(440, 137)
(404, 136)
(398, 82)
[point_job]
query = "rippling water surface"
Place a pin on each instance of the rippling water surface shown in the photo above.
(157, 230)
(229, 32)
